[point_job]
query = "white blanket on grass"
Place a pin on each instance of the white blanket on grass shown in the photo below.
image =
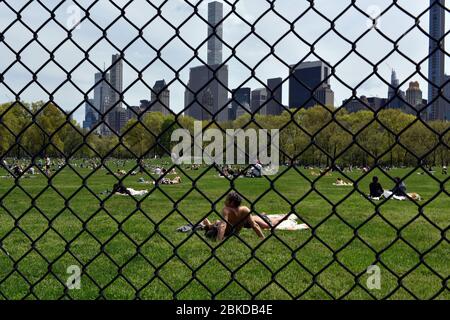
(134, 192)
(387, 194)
(290, 223)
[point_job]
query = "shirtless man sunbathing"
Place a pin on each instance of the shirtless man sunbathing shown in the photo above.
(236, 217)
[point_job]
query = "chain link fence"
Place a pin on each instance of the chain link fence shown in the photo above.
(65, 234)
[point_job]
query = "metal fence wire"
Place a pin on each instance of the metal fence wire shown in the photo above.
(36, 249)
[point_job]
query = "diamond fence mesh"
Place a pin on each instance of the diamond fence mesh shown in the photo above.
(66, 234)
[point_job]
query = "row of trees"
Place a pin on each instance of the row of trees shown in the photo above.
(312, 136)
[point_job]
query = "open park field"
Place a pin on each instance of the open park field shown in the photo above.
(129, 248)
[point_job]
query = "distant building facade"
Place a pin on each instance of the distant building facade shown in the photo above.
(102, 91)
(259, 101)
(274, 96)
(116, 80)
(133, 112)
(91, 115)
(355, 105)
(309, 85)
(396, 97)
(414, 96)
(243, 109)
(447, 97)
(160, 101)
(241, 99)
(377, 103)
(101, 102)
(207, 93)
(365, 103)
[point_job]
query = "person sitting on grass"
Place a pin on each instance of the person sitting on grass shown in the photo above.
(398, 192)
(120, 189)
(236, 217)
(400, 188)
(376, 190)
(257, 170)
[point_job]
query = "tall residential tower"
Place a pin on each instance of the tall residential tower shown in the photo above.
(207, 94)
(436, 67)
(215, 32)
(117, 116)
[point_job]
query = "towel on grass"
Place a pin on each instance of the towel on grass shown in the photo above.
(133, 192)
(290, 224)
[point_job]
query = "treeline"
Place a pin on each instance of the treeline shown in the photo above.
(312, 137)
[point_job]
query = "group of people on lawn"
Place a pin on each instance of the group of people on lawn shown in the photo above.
(235, 217)
(377, 191)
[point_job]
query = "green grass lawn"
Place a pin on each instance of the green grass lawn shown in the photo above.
(130, 249)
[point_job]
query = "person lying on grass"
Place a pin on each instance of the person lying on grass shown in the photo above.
(120, 189)
(339, 182)
(236, 217)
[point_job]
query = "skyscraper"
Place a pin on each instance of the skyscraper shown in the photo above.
(309, 85)
(259, 101)
(438, 107)
(243, 109)
(447, 96)
(117, 115)
(414, 96)
(207, 93)
(133, 112)
(241, 99)
(160, 98)
(91, 116)
(101, 91)
(215, 32)
(396, 97)
(274, 96)
(325, 96)
(102, 99)
(116, 80)
(394, 85)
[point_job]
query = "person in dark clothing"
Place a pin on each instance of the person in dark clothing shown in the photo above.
(400, 188)
(120, 188)
(376, 190)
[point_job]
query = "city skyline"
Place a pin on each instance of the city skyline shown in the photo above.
(234, 30)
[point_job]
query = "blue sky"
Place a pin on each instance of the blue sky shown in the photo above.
(394, 24)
